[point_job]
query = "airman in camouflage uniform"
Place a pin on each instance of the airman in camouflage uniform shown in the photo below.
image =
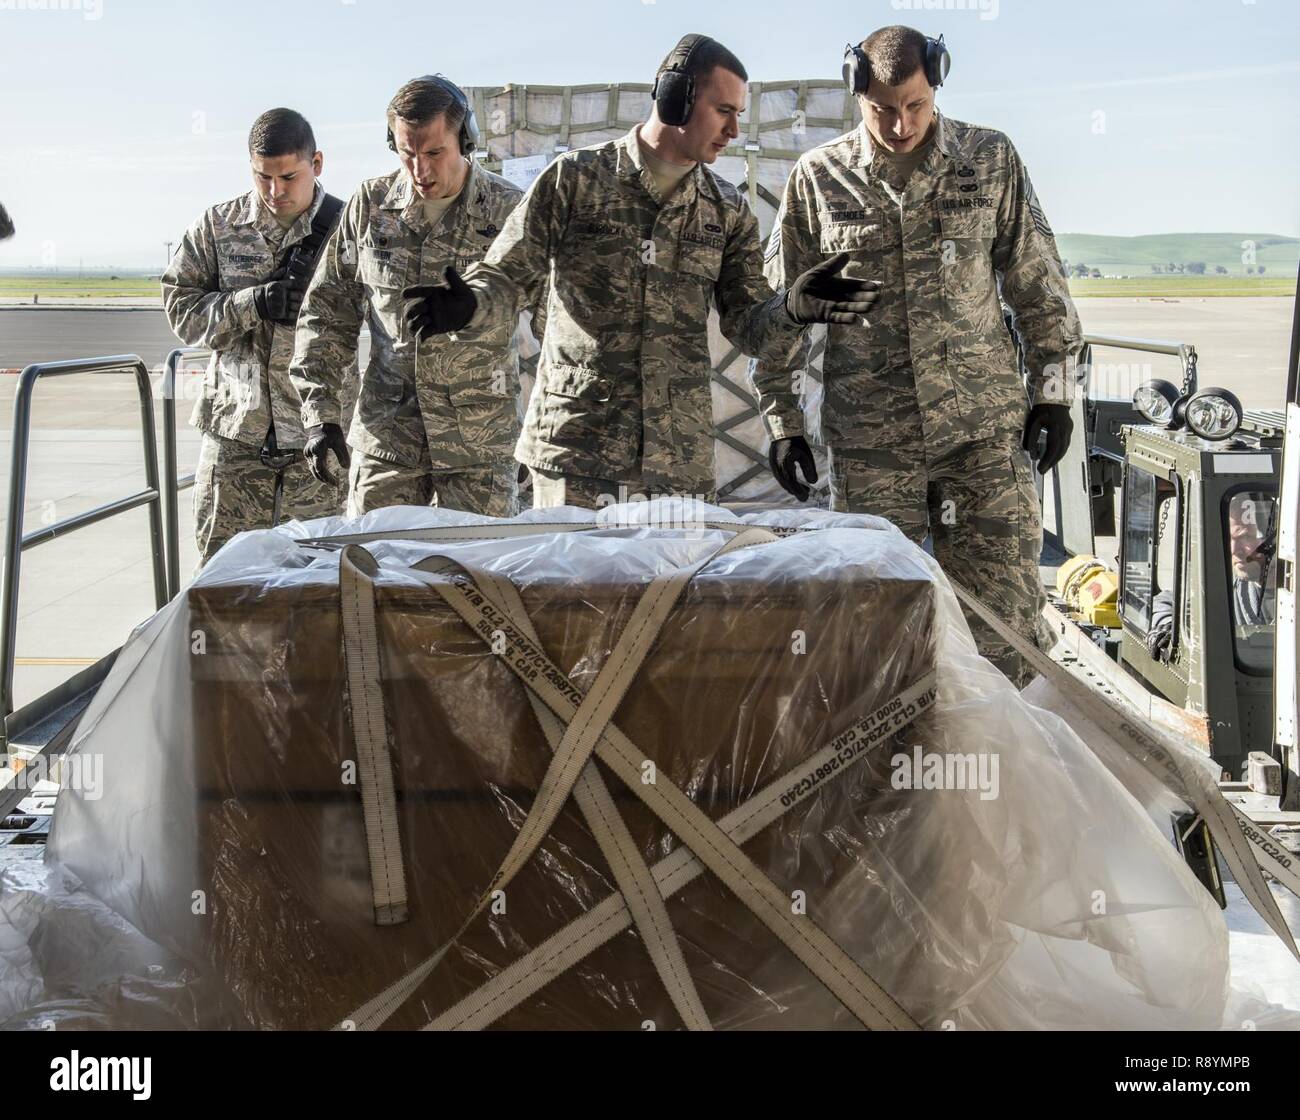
(924, 404)
(211, 293)
(635, 254)
(435, 420)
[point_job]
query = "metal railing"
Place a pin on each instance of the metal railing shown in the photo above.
(16, 542)
(1183, 351)
(172, 485)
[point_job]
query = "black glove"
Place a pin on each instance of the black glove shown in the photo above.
(6, 224)
(439, 308)
(323, 438)
(786, 454)
(278, 300)
(821, 296)
(1054, 419)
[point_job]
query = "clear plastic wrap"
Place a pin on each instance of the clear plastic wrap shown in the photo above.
(229, 840)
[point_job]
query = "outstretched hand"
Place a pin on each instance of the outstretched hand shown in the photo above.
(822, 295)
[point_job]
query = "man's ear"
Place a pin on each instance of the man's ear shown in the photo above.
(317, 162)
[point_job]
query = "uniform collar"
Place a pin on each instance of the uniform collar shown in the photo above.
(255, 213)
(865, 153)
(402, 197)
(632, 165)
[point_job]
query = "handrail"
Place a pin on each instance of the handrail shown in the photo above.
(16, 542)
(1185, 352)
(172, 485)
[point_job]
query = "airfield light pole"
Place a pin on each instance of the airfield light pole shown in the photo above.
(169, 254)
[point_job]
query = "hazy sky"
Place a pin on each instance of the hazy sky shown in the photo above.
(120, 120)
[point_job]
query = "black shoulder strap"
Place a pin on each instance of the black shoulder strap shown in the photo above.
(308, 249)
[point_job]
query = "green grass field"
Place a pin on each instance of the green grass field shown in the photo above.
(70, 287)
(1134, 256)
(1184, 287)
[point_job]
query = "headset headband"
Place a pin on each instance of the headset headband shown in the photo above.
(857, 67)
(469, 133)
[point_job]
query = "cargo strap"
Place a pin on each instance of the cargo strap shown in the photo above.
(571, 766)
(1160, 754)
(631, 875)
(560, 952)
(589, 728)
(507, 530)
(370, 730)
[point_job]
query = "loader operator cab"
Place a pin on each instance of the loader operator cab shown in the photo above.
(1189, 615)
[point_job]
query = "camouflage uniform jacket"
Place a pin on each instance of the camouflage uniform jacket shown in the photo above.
(623, 375)
(966, 223)
(458, 399)
(208, 297)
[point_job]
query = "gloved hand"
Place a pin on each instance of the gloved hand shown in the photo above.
(279, 299)
(321, 439)
(822, 296)
(439, 308)
(786, 454)
(6, 223)
(1158, 639)
(1054, 419)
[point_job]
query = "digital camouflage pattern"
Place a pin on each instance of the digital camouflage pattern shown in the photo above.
(234, 493)
(491, 490)
(442, 404)
(936, 340)
(208, 299)
(555, 488)
(980, 504)
(925, 404)
(623, 375)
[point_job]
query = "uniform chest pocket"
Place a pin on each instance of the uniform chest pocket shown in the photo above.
(383, 268)
(243, 268)
(849, 237)
(700, 261)
(968, 225)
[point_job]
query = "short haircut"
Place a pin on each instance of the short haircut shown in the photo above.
(707, 57)
(895, 53)
(422, 100)
(281, 132)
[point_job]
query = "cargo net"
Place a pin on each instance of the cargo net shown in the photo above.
(660, 767)
(782, 121)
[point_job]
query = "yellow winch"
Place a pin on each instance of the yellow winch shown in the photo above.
(1090, 590)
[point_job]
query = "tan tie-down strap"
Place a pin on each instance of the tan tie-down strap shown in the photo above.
(505, 530)
(370, 730)
(1237, 837)
(631, 875)
(483, 603)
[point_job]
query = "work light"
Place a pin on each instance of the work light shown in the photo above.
(1156, 400)
(1214, 413)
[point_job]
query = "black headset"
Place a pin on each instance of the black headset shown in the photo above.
(857, 68)
(674, 92)
(469, 133)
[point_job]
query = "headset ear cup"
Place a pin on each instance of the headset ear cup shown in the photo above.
(857, 69)
(469, 132)
(673, 98)
(392, 142)
(937, 61)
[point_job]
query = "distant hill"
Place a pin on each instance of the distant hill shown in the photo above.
(1134, 256)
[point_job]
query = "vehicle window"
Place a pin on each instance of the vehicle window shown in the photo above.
(1250, 538)
(1151, 552)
